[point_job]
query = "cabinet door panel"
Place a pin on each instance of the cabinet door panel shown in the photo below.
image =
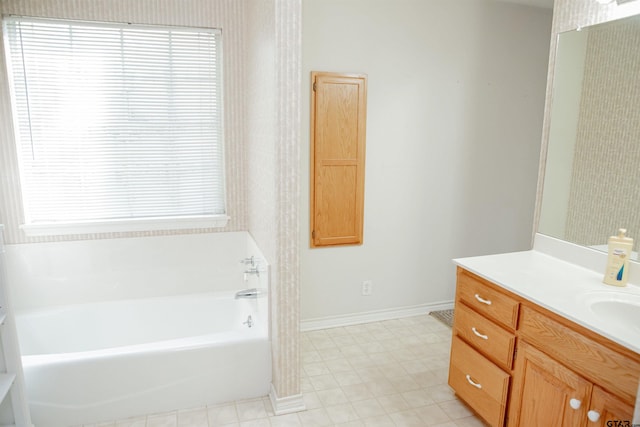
(611, 410)
(338, 115)
(546, 393)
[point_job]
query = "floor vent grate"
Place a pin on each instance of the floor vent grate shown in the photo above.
(445, 316)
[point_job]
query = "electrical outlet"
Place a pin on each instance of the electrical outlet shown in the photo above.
(367, 288)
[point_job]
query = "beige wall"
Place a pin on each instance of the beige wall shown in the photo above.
(455, 106)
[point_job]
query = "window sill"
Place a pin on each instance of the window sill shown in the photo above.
(123, 226)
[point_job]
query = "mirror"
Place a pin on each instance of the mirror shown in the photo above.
(592, 172)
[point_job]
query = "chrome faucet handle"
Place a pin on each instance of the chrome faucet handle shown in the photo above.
(248, 322)
(248, 261)
(252, 270)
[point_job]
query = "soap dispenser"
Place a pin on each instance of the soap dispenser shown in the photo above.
(620, 247)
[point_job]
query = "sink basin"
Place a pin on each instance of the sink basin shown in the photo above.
(617, 308)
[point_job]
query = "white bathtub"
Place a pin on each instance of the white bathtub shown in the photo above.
(95, 362)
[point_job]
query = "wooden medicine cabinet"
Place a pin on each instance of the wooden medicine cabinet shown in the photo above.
(338, 125)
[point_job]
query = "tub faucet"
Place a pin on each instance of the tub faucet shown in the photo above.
(248, 322)
(247, 293)
(249, 261)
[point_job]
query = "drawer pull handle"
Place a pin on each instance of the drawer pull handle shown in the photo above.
(478, 334)
(575, 403)
(593, 416)
(473, 383)
(482, 300)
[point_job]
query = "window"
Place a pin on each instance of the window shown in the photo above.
(116, 124)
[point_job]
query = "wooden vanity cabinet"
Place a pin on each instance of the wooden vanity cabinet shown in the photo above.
(483, 345)
(609, 408)
(485, 298)
(546, 393)
(477, 380)
(517, 364)
(590, 379)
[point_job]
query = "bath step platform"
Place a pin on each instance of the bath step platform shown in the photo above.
(13, 401)
(6, 381)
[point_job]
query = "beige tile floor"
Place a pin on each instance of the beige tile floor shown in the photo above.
(389, 373)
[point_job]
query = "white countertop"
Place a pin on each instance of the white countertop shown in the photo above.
(559, 286)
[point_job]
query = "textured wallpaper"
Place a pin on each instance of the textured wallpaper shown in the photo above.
(605, 185)
(273, 50)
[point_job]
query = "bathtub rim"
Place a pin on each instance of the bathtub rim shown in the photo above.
(259, 331)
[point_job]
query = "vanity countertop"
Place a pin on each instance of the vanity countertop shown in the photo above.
(561, 287)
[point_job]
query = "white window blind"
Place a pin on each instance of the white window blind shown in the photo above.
(116, 121)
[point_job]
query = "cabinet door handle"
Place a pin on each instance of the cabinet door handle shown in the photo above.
(473, 383)
(575, 403)
(478, 334)
(482, 300)
(593, 416)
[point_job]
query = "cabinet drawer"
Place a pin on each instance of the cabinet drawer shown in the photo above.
(487, 301)
(487, 337)
(601, 365)
(478, 382)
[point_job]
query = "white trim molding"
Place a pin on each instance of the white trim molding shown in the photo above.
(372, 316)
(286, 405)
(126, 225)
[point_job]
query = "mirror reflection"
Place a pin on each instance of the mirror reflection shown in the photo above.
(592, 176)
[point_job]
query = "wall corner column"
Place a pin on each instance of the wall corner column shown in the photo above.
(285, 309)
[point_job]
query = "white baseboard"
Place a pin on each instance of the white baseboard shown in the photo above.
(372, 316)
(286, 405)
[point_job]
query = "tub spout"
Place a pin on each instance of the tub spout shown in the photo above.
(247, 293)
